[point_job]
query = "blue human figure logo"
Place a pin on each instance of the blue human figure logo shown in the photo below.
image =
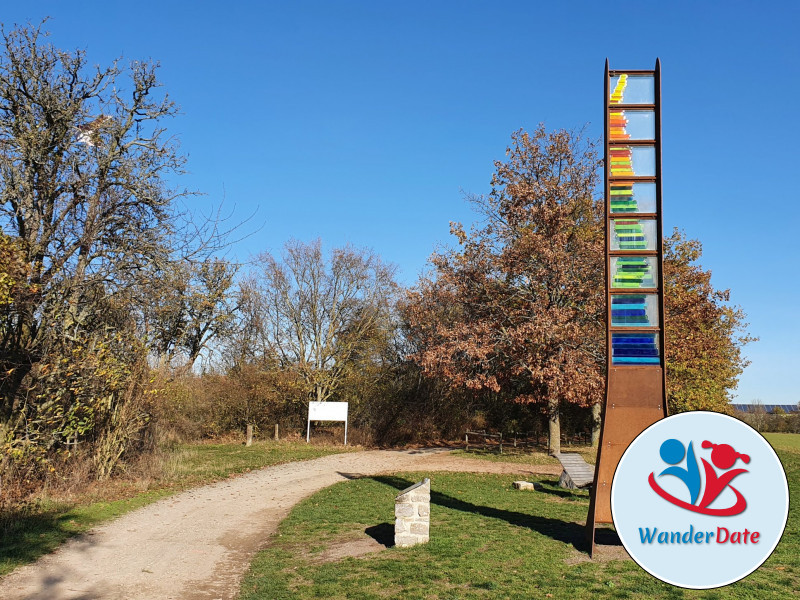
(672, 453)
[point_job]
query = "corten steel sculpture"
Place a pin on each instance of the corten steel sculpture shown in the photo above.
(635, 382)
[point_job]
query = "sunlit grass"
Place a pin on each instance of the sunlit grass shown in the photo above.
(207, 462)
(787, 442)
(487, 541)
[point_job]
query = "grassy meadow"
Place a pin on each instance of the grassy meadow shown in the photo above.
(488, 541)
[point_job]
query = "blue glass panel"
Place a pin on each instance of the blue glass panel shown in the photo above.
(634, 310)
(634, 349)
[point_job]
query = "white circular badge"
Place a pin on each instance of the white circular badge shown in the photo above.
(699, 500)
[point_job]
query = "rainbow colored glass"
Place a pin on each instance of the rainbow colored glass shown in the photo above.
(627, 233)
(621, 158)
(630, 161)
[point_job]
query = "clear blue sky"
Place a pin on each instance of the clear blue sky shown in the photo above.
(365, 122)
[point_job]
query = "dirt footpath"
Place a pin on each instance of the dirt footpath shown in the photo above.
(199, 544)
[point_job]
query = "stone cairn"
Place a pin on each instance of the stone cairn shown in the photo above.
(412, 511)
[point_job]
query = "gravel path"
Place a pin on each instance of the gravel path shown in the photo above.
(199, 544)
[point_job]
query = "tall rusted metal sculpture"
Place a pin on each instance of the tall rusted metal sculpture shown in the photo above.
(635, 383)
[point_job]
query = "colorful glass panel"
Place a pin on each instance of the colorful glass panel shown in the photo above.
(633, 272)
(632, 161)
(632, 89)
(633, 234)
(634, 348)
(630, 197)
(632, 124)
(634, 310)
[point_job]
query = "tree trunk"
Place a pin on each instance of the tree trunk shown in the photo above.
(10, 385)
(554, 424)
(597, 412)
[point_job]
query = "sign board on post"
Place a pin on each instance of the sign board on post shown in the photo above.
(327, 411)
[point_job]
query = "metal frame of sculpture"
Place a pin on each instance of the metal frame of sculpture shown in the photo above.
(635, 381)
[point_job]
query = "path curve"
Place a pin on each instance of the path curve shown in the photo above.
(199, 543)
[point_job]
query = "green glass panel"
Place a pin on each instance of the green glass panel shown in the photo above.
(633, 234)
(627, 197)
(634, 272)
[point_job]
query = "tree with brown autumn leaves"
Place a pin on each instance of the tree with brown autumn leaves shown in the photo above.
(518, 306)
(515, 307)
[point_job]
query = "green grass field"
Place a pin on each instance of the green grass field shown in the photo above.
(487, 541)
(787, 442)
(201, 463)
(39, 528)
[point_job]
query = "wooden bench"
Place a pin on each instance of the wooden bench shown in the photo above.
(577, 472)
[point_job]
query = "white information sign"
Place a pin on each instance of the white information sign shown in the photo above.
(327, 411)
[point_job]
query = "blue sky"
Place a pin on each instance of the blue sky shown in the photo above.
(365, 122)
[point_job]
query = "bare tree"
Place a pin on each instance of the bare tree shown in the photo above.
(83, 161)
(757, 416)
(187, 305)
(320, 315)
(88, 216)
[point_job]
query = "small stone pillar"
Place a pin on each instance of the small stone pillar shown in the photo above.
(412, 511)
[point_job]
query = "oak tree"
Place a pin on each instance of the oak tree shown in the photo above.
(519, 307)
(186, 306)
(515, 307)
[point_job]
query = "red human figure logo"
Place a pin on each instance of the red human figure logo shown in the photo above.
(724, 457)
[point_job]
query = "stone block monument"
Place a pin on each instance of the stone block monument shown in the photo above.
(412, 511)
